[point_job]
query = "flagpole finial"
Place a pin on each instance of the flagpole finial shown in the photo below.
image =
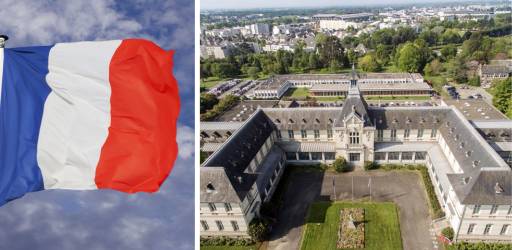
(3, 39)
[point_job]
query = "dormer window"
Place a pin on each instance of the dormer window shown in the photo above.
(395, 121)
(498, 189)
(461, 145)
(210, 188)
(407, 120)
(447, 124)
(468, 153)
(278, 121)
(317, 121)
(422, 120)
(452, 130)
(304, 121)
(330, 121)
(465, 180)
(476, 163)
(456, 137)
(216, 134)
(290, 121)
(204, 134)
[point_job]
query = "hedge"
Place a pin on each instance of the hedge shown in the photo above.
(224, 104)
(479, 246)
(226, 241)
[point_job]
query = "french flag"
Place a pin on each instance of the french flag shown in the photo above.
(87, 115)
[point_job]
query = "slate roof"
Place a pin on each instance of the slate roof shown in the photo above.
(223, 190)
(303, 118)
(238, 151)
(482, 188)
(407, 117)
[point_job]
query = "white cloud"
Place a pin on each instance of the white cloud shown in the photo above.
(185, 141)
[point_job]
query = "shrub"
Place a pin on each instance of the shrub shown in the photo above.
(370, 165)
(258, 230)
(448, 232)
(341, 165)
(226, 241)
(479, 246)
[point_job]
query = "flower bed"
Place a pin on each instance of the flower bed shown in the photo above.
(349, 237)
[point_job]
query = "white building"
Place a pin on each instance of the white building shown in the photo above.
(260, 29)
(472, 182)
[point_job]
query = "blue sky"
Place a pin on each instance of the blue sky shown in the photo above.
(237, 4)
(96, 220)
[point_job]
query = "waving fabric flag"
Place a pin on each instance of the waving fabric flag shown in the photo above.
(86, 115)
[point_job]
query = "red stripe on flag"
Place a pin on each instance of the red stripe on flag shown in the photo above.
(141, 147)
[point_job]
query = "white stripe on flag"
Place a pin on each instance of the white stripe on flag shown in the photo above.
(76, 114)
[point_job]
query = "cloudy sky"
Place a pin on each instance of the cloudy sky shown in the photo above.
(237, 4)
(96, 220)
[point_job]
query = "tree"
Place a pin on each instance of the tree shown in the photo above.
(502, 93)
(434, 68)
(313, 61)
(253, 72)
(341, 165)
(330, 49)
(369, 63)
(474, 81)
(410, 58)
(207, 101)
(258, 230)
(449, 51)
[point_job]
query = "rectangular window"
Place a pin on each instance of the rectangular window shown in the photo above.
(419, 155)
(278, 134)
(317, 133)
(329, 133)
(303, 134)
(304, 156)
(380, 135)
(234, 224)
(380, 156)
(354, 156)
(212, 207)
(487, 229)
(329, 155)
(407, 156)
(292, 156)
(205, 226)
(316, 156)
(393, 156)
(219, 225)
(433, 133)
(471, 228)
(290, 134)
(509, 210)
(494, 208)
(393, 135)
(228, 207)
(476, 209)
(406, 133)
(504, 229)
(420, 133)
(354, 137)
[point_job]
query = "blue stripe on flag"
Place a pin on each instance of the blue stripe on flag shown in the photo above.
(24, 92)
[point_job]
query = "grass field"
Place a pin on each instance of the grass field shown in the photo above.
(382, 230)
(210, 82)
(297, 92)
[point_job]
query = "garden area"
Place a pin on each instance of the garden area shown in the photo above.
(381, 226)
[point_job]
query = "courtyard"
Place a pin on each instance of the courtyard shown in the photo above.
(403, 188)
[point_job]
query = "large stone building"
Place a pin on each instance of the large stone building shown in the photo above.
(338, 84)
(247, 159)
(337, 22)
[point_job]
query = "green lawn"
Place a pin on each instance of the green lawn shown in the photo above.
(398, 98)
(329, 98)
(297, 92)
(210, 82)
(382, 230)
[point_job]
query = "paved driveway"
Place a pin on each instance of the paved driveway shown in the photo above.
(403, 188)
